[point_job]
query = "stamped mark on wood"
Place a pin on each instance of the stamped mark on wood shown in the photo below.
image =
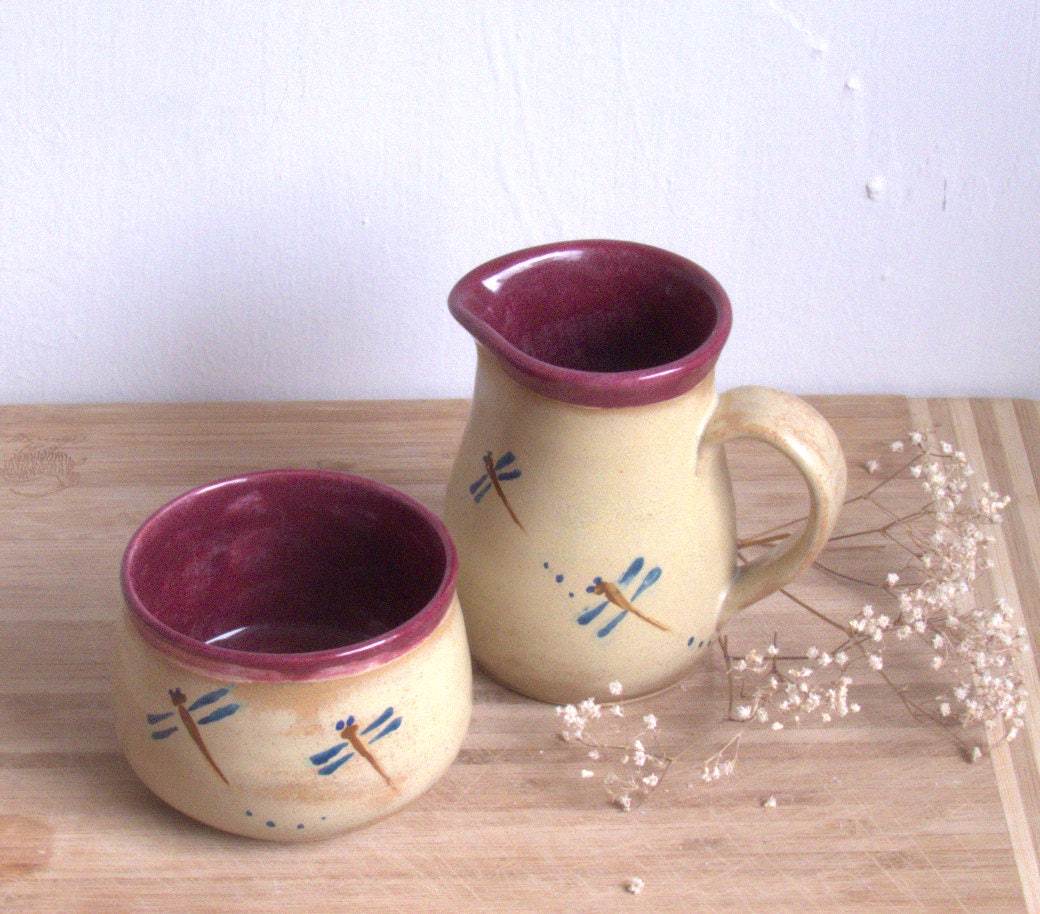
(39, 466)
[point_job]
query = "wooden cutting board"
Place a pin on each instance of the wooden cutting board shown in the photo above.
(876, 812)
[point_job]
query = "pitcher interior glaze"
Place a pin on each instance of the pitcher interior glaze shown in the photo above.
(590, 501)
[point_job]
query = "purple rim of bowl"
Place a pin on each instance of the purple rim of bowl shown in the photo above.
(346, 660)
(531, 275)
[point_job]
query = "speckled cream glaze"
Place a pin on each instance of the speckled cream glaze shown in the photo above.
(267, 786)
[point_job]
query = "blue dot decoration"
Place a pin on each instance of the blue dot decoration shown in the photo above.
(271, 823)
(560, 578)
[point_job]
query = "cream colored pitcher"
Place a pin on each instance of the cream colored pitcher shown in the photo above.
(590, 500)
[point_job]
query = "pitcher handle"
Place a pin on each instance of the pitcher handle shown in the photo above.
(801, 434)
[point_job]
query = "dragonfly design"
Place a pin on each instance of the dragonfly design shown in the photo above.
(614, 594)
(496, 473)
(179, 700)
(352, 735)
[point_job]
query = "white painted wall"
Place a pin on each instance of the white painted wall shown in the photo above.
(204, 200)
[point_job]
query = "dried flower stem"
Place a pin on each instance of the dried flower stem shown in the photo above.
(638, 763)
(935, 607)
(929, 600)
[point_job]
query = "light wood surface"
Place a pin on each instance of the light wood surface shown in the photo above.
(874, 813)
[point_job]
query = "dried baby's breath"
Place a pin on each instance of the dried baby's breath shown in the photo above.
(928, 604)
(628, 751)
(929, 600)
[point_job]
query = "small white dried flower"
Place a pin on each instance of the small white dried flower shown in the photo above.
(589, 709)
(651, 721)
(639, 756)
(896, 447)
(635, 885)
(769, 802)
(573, 723)
(585, 773)
(615, 688)
(872, 466)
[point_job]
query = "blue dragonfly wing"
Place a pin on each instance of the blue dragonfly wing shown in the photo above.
(329, 769)
(208, 699)
(589, 614)
(507, 458)
(651, 578)
(630, 573)
(512, 474)
(162, 734)
(159, 718)
(389, 728)
(320, 758)
(612, 624)
(474, 486)
(379, 721)
(219, 714)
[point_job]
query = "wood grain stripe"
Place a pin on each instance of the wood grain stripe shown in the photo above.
(975, 427)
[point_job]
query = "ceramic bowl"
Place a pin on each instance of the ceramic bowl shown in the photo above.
(292, 660)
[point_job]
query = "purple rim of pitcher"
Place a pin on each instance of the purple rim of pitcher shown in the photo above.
(597, 322)
(268, 559)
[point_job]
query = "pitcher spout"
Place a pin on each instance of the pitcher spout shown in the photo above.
(597, 323)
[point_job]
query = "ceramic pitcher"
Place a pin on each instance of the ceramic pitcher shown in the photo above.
(590, 500)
